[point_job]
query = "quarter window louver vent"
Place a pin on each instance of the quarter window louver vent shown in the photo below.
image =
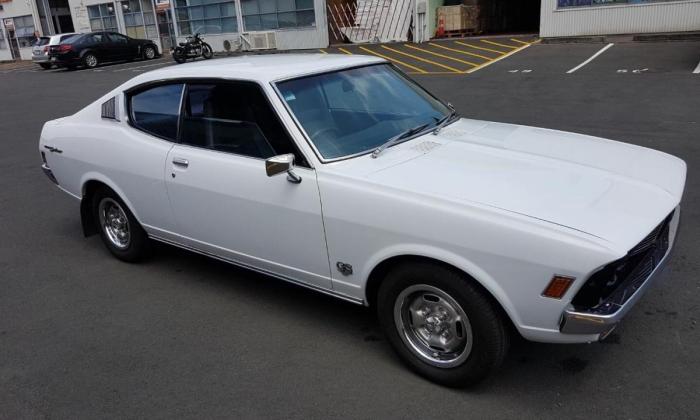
(109, 109)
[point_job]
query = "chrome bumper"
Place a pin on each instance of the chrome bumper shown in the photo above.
(606, 318)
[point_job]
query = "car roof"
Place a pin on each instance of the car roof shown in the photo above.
(261, 68)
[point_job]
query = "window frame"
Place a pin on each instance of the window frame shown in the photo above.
(135, 90)
(306, 136)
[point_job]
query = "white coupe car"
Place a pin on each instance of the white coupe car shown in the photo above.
(455, 230)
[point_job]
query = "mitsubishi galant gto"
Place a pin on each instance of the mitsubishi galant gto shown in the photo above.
(343, 175)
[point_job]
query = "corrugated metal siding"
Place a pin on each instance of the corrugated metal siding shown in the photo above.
(679, 16)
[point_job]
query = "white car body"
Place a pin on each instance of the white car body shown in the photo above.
(509, 205)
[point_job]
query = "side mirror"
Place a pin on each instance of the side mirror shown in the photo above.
(280, 164)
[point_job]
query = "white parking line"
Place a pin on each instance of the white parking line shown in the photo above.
(697, 69)
(138, 67)
(601, 51)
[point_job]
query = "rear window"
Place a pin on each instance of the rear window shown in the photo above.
(157, 110)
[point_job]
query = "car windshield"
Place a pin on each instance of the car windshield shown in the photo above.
(356, 110)
(42, 41)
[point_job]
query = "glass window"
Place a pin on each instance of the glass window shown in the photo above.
(156, 110)
(274, 14)
(24, 30)
(102, 17)
(206, 16)
(139, 19)
(354, 111)
(234, 117)
(3, 45)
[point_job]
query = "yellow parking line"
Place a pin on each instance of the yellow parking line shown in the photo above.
(435, 72)
(496, 43)
(479, 48)
(323, 51)
(519, 41)
(506, 55)
(345, 51)
(415, 57)
(418, 70)
(460, 51)
(441, 55)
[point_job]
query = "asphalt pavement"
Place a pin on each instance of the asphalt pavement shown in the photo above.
(83, 335)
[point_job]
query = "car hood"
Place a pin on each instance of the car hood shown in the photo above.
(615, 191)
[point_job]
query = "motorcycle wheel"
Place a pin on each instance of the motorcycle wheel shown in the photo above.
(207, 51)
(179, 55)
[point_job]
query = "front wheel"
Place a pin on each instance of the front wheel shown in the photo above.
(149, 53)
(207, 51)
(179, 55)
(441, 324)
(120, 231)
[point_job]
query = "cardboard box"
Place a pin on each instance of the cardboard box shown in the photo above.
(458, 18)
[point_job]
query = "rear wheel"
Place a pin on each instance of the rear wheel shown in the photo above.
(179, 55)
(441, 324)
(149, 53)
(90, 60)
(120, 231)
(45, 66)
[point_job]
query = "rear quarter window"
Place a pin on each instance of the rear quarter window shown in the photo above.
(156, 110)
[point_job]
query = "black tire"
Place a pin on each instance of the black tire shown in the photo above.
(485, 325)
(90, 61)
(149, 53)
(45, 66)
(137, 246)
(179, 55)
(207, 52)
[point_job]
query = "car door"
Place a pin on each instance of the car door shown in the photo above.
(121, 47)
(222, 199)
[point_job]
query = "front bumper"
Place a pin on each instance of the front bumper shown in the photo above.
(608, 314)
(40, 58)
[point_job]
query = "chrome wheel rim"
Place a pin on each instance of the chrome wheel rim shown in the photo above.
(433, 326)
(91, 60)
(114, 222)
(150, 53)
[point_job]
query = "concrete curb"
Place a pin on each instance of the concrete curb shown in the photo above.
(675, 36)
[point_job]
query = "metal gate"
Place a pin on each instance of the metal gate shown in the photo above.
(360, 21)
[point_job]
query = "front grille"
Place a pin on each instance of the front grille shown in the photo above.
(611, 286)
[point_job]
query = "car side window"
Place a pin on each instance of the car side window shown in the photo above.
(234, 117)
(156, 110)
(118, 38)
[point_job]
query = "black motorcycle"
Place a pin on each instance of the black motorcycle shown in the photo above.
(193, 48)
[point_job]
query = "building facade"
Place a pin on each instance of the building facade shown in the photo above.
(225, 24)
(566, 18)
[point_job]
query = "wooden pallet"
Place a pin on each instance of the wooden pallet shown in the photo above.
(460, 33)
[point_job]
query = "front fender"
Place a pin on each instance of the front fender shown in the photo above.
(447, 257)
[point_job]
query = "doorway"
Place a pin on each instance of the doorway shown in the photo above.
(14, 44)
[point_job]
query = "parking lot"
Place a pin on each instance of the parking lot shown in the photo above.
(83, 335)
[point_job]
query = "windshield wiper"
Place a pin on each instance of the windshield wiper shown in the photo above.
(443, 122)
(397, 138)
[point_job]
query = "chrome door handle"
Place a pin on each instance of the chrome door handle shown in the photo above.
(181, 162)
(53, 149)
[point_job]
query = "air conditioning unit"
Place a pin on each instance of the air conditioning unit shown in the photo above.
(259, 40)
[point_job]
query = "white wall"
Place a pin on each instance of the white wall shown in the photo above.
(675, 16)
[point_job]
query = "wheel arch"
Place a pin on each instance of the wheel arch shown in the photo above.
(90, 184)
(479, 277)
